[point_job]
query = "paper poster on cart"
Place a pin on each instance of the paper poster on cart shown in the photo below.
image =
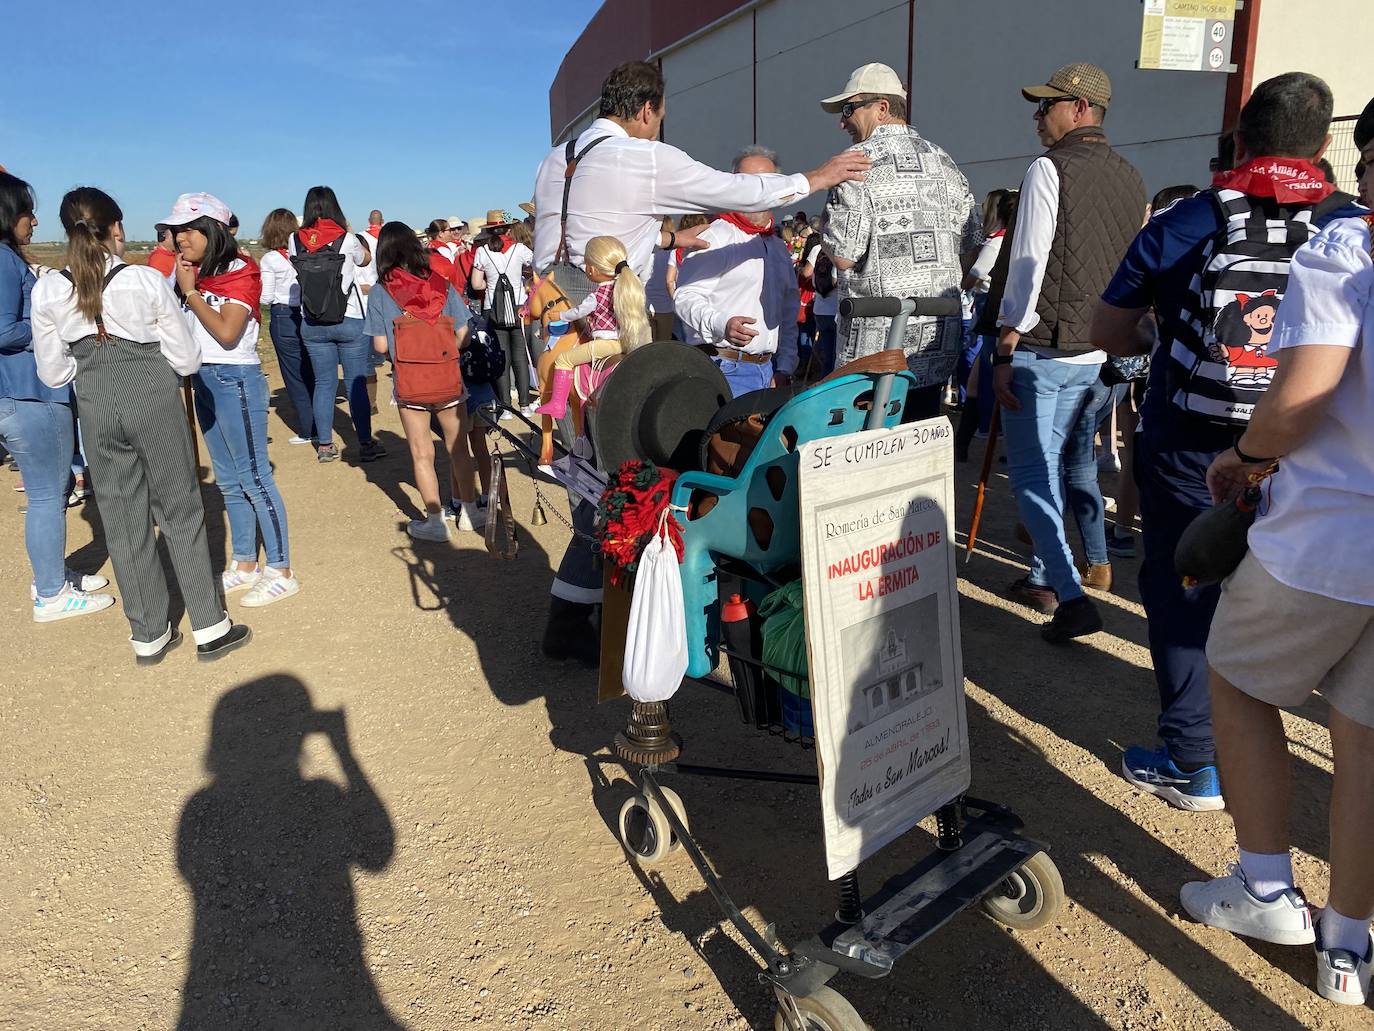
(882, 625)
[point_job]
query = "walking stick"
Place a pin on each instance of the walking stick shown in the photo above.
(988, 456)
(191, 421)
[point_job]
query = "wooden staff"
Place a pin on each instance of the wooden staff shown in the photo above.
(988, 455)
(191, 421)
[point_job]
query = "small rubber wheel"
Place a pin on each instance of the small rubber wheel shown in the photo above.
(823, 1010)
(675, 801)
(1030, 897)
(644, 829)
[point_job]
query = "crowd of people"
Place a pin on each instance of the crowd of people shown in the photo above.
(1189, 347)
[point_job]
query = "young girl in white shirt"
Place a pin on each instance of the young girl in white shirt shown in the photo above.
(116, 330)
(222, 292)
(282, 295)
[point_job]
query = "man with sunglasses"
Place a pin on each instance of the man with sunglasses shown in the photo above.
(1080, 206)
(902, 232)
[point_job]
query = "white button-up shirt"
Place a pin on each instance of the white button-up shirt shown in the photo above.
(138, 305)
(741, 274)
(624, 187)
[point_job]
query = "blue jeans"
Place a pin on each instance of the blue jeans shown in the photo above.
(296, 373)
(231, 404)
(745, 377)
(39, 435)
(823, 355)
(330, 346)
(1083, 495)
(1053, 395)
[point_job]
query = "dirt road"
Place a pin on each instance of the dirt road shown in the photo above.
(215, 847)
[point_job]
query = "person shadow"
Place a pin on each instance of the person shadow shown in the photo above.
(267, 854)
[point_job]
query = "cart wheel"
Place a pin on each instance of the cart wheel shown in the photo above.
(644, 828)
(675, 801)
(823, 1010)
(1030, 897)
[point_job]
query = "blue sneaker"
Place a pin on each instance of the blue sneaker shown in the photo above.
(1156, 773)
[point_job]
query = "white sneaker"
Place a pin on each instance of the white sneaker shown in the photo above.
(271, 586)
(1227, 903)
(69, 602)
(432, 529)
(298, 439)
(1342, 976)
(470, 517)
(236, 579)
(88, 582)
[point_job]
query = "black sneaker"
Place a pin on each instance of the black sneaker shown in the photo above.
(1076, 618)
(1121, 544)
(371, 451)
(1042, 599)
(236, 636)
(327, 453)
(158, 656)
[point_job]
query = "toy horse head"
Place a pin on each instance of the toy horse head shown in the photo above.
(547, 300)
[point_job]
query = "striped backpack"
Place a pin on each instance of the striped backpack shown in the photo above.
(1219, 364)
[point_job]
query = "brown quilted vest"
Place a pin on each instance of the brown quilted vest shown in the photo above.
(1101, 206)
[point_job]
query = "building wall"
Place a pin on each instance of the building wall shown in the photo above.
(1339, 51)
(772, 64)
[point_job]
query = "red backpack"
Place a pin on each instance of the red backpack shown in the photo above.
(425, 371)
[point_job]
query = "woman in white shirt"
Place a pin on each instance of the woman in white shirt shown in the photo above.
(342, 343)
(222, 294)
(282, 295)
(116, 330)
(493, 260)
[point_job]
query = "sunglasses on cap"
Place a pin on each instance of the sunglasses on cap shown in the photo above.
(851, 106)
(1043, 108)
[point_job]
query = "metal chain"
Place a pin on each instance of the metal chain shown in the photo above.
(539, 496)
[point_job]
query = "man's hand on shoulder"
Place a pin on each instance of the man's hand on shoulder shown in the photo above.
(690, 239)
(847, 166)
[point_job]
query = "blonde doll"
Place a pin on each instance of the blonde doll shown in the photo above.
(615, 314)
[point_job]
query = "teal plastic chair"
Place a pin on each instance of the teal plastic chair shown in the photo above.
(754, 518)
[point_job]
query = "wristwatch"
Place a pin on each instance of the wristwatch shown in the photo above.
(1002, 359)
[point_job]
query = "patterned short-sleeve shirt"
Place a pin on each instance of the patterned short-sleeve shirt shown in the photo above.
(904, 227)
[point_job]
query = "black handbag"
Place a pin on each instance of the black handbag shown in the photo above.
(483, 360)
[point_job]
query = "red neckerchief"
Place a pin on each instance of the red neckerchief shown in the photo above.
(243, 284)
(744, 225)
(320, 235)
(423, 298)
(282, 252)
(1287, 180)
(163, 260)
(1000, 232)
(442, 267)
(374, 231)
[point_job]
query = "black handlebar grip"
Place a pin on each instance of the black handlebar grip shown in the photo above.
(891, 307)
(871, 307)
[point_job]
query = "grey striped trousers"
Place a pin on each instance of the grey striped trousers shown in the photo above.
(138, 447)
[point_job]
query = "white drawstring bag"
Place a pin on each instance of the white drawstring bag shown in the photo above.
(656, 639)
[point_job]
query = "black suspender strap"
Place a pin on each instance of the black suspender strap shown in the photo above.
(99, 320)
(572, 158)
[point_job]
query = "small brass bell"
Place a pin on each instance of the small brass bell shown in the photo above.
(538, 518)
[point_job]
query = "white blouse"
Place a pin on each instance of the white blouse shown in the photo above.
(137, 305)
(279, 284)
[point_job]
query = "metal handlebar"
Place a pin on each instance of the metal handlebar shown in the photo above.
(891, 307)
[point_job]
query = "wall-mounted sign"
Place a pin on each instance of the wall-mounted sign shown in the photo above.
(1187, 35)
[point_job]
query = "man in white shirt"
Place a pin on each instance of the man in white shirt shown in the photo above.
(1080, 206)
(622, 187)
(628, 181)
(739, 298)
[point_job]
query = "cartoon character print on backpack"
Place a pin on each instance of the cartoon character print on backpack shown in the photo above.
(1241, 336)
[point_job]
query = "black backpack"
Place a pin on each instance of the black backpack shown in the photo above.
(320, 275)
(505, 313)
(483, 360)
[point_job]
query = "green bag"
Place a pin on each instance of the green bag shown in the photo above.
(784, 638)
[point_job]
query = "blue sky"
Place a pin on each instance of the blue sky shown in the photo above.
(423, 108)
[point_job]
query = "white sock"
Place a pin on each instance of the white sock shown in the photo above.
(1267, 875)
(1343, 932)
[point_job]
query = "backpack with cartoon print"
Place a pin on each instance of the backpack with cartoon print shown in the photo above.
(1220, 363)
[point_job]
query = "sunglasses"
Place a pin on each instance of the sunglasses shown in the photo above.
(849, 108)
(1043, 108)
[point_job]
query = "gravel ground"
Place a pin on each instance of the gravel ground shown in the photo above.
(390, 812)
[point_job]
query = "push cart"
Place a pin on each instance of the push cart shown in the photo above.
(750, 536)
